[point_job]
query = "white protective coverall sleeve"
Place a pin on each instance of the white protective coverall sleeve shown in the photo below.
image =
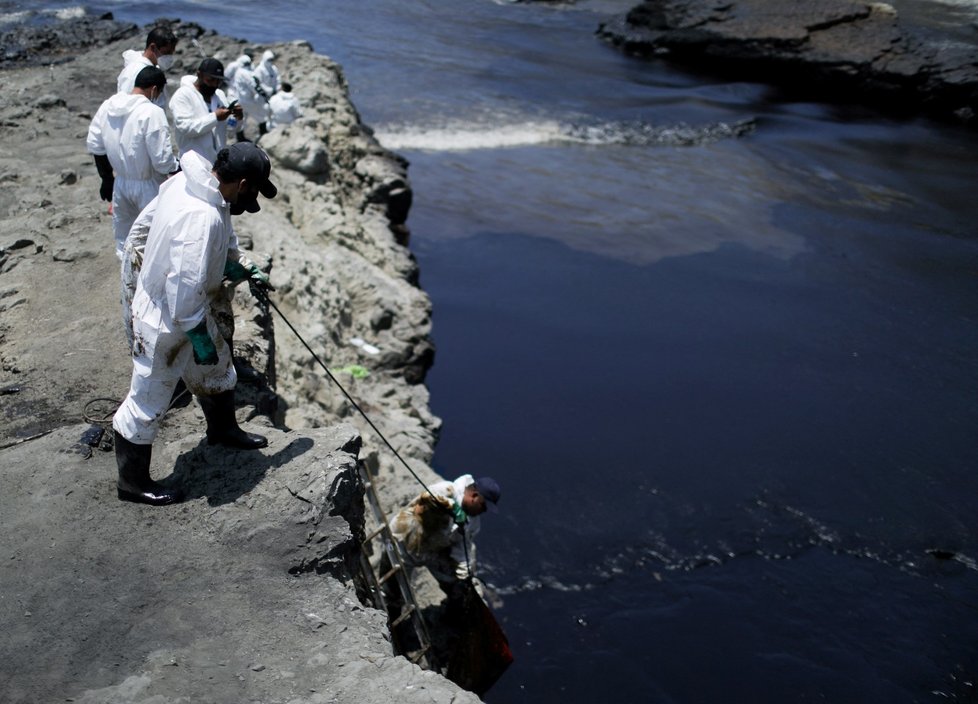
(132, 261)
(463, 538)
(95, 140)
(159, 148)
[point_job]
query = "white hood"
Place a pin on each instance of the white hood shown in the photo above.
(121, 104)
(130, 55)
(201, 182)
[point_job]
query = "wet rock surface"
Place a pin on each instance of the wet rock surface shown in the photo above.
(247, 591)
(840, 50)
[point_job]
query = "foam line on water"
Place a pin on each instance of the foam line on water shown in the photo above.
(64, 13)
(471, 136)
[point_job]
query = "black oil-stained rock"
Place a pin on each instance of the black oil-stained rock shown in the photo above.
(837, 50)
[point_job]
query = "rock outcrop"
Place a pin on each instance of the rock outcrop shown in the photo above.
(248, 591)
(845, 50)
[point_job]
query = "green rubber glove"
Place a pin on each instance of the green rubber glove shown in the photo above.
(205, 353)
(459, 514)
(259, 278)
(234, 271)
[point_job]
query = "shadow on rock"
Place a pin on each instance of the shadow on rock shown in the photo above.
(223, 475)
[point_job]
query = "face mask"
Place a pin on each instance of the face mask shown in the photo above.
(245, 205)
(160, 100)
(246, 202)
(165, 61)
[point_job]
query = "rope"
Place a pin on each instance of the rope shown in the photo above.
(99, 420)
(103, 419)
(263, 297)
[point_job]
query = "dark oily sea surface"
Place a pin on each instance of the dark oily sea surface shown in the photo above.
(728, 384)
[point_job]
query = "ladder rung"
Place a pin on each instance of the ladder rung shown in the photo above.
(406, 614)
(389, 573)
(416, 658)
(375, 534)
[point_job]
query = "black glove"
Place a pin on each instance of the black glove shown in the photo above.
(104, 169)
(105, 191)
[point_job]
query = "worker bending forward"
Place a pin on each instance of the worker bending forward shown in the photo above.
(437, 529)
(190, 248)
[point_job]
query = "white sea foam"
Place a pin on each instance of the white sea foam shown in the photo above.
(69, 13)
(64, 13)
(970, 4)
(471, 136)
(14, 17)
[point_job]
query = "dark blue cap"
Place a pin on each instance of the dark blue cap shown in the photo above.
(489, 490)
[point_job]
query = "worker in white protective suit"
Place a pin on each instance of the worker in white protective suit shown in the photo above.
(267, 74)
(130, 140)
(246, 88)
(284, 107)
(438, 529)
(132, 263)
(200, 111)
(161, 43)
(191, 247)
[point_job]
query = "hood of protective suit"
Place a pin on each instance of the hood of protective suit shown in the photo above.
(121, 104)
(187, 81)
(201, 182)
(130, 55)
(268, 56)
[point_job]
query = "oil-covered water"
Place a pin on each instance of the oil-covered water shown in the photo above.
(726, 376)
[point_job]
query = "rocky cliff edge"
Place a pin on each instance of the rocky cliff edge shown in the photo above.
(247, 591)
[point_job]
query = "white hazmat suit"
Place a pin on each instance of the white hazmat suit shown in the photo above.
(285, 108)
(267, 74)
(132, 63)
(188, 245)
(132, 132)
(194, 121)
(243, 88)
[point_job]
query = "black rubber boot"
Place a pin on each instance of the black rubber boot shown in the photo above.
(262, 128)
(241, 136)
(134, 482)
(245, 372)
(222, 426)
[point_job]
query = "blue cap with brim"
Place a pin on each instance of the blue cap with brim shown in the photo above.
(489, 489)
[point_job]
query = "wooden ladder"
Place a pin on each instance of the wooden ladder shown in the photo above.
(424, 656)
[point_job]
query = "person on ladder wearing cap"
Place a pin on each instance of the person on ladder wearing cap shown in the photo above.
(437, 529)
(190, 249)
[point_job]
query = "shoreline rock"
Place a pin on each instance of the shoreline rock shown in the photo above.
(833, 50)
(247, 591)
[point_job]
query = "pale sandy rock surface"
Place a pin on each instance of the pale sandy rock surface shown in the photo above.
(245, 592)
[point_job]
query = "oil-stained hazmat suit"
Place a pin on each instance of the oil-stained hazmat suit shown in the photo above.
(189, 246)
